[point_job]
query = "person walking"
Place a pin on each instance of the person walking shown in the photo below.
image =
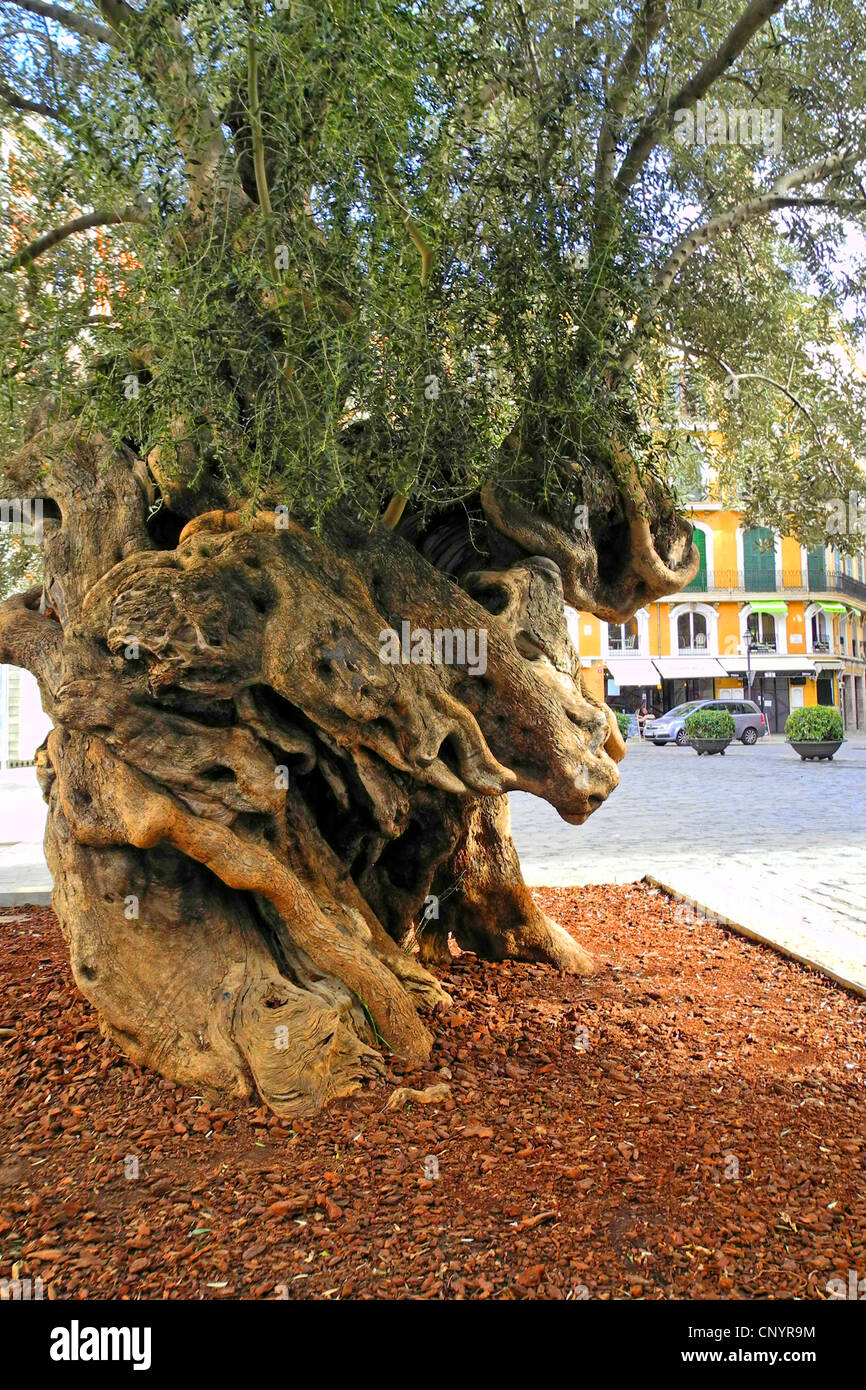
(642, 717)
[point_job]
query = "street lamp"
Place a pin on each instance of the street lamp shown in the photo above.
(750, 643)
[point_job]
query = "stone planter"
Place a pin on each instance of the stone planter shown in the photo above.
(816, 748)
(709, 745)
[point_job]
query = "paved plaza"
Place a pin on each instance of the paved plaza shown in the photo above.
(774, 845)
(757, 837)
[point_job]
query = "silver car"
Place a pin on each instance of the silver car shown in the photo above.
(749, 722)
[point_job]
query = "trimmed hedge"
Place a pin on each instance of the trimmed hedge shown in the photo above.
(710, 723)
(813, 724)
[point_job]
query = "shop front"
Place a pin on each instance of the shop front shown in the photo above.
(687, 678)
(828, 677)
(775, 683)
(631, 682)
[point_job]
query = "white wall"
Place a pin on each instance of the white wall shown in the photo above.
(19, 741)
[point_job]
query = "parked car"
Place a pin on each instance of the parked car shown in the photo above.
(749, 722)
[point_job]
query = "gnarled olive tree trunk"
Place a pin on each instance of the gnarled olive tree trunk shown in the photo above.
(262, 829)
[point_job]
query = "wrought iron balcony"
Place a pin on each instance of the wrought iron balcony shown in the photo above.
(762, 580)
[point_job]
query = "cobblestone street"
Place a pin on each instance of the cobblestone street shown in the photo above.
(757, 836)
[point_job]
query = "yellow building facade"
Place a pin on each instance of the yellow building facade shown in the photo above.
(765, 618)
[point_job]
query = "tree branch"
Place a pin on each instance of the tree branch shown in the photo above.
(755, 15)
(85, 28)
(646, 30)
(778, 197)
(423, 248)
(165, 63)
(258, 142)
(734, 379)
(102, 218)
(30, 639)
(19, 103)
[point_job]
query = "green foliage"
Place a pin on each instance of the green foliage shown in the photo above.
(709, 723)
(624, 722)
(20, 564)
(814, 723)
(440, 270)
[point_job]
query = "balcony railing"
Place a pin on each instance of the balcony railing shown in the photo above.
(762, 580)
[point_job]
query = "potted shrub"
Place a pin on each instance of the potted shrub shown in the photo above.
(624, 722)
(709, 730)
(815, 731)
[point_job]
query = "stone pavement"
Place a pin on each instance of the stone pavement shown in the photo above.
(773, 845)
(758, 838)
(24, 876)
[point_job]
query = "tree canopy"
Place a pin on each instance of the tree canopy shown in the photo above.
(353, 251)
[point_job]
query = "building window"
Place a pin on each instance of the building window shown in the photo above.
(692, 633)
(763, 629)
(820, 637)
(622, 637)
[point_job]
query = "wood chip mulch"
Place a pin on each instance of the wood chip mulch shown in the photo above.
(687, 1124)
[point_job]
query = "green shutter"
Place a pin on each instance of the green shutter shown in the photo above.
(700, 579)
(759, 563)
(817, 565)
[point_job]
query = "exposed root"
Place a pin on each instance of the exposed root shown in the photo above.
(130, 811)
(494, 914)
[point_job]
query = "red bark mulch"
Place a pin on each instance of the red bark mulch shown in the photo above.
(687, 1124)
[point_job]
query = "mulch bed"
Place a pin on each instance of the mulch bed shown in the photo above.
(687, 1124)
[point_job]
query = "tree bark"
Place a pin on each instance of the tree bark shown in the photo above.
(262, 833)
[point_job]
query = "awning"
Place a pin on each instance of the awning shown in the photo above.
(768, 661)
(827, 663)
(632, 670)
(832, 607)
(686, 668)
(770, 605)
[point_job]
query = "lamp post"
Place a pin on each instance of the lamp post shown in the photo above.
(750, 643)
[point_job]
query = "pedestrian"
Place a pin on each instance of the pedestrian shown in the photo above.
(642, 717)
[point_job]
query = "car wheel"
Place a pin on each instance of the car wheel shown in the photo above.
(680, 738)
(750, 736)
